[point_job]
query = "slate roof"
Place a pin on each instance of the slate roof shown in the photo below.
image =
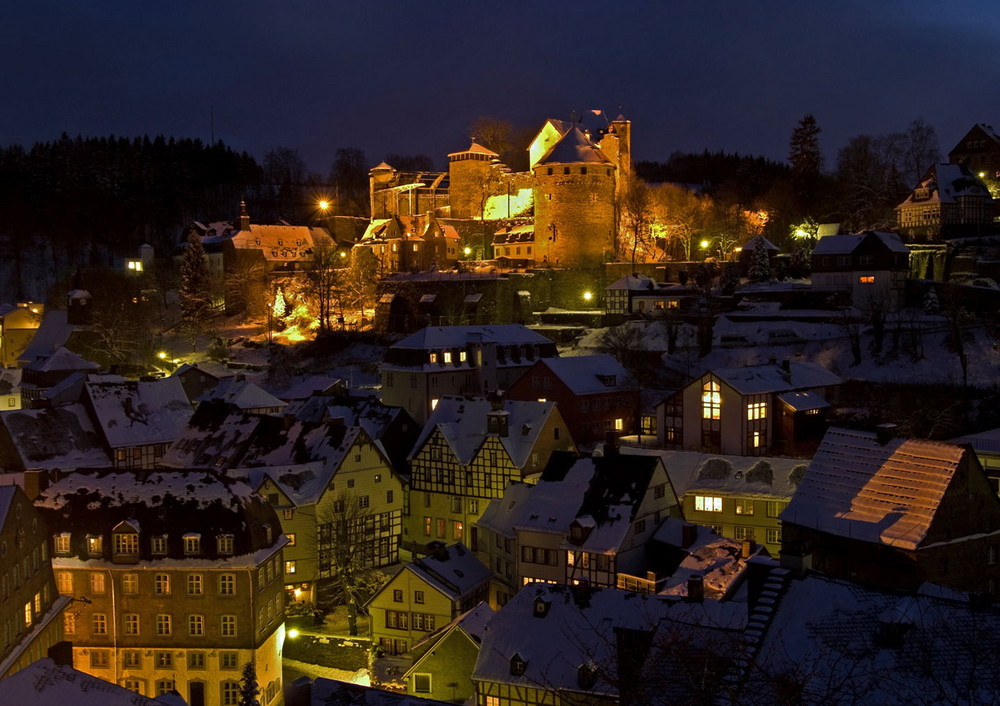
(802, 401)
(888, 494)
(456, 572)
(736, 475)
(62, 359)
(547, 506)
(947, 183)
(462, 423)
(138, 412)
(242, 393)
(215, 437)
(574, 147)
(846, 244)
(58, 437)
(44, 683)
(582, 374)
(760, 379)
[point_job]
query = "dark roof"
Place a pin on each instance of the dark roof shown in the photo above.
(574, 147)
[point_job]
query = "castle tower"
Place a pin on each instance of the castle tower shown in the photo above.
(378, 182)
(244, 216)
(471, 174)
(78, 302)
(574, 187)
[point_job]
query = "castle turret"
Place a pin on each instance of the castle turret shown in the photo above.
(574, 203)
(471, 174)
(378, 182)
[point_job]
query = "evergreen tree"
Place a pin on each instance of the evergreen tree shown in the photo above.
(730, 278)
(195, 297)
(806, 160)
(931, 303)
(800, 266)
(760, 264)
(248, 686)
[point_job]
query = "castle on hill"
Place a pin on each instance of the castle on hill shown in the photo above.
(561, 213)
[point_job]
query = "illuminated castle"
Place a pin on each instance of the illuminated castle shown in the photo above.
(560, 213)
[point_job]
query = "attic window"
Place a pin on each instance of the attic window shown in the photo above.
(607, 380)
(224, 544)
(126, 543)
(158, 545)
(192, 544)
(62, 543)
(517, 665)
(541, 607)
(586, 676)
(95, 545)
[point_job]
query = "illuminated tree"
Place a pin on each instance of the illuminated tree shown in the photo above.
(248, 686)
(679, 217)
(324, 274)
(760, 263)
(195, 295)
(635, 210)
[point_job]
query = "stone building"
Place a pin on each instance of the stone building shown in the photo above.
(178, 581)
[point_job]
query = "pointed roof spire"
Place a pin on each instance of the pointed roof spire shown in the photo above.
(574, 146)
(244, 216)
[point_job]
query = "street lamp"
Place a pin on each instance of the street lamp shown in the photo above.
(587, 296)
(324, 206)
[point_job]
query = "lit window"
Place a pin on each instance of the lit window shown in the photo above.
(64, 583)
(434, 403)
(755, 440)
(97, 582)
(195, 584)
(95, 545)
(161, 584)
(744, 507)
(227, 584)
(757, 410)
(291, 538)
(163, 626)
(434, 357)
(192, 544)
(707, 503)
(461, 356)
(224, 543)
(619, 424)
(126, 543)
(228, 626)
(62, 543)
(711, 400)
(866, 279)
(290, 567)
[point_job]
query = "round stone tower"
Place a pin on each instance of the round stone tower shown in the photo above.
(574, 187)
(471, 174)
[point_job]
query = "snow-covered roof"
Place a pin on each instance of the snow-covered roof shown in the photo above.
(574, 147)
(633, 283)
(138, 412)
(324, 692)
(303, 443)
(751, 244)
(44, 683)
(305, 387)
(760, 379)
(437, 337)
(62, 359)
(215, 437)
(280, 242)
(734, 475)
(472, 622)
(548, 506)
(846, 244)
(58, 437)
(590, 374)
(802, 401)
(717, 560)
(946, 183)
(455, 571)
(52, 332)
(581, 626)
(243, 393)
(883, 493)
(885, 648)
(463, 424)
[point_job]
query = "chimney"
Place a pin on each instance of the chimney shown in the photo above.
(689, 534)
(35, 481)
(696, 588)
(884, 433)
(438, 550)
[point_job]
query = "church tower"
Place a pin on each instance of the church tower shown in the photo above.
(78, 302)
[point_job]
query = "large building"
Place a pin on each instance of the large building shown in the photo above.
(176, 581)
(951, 201)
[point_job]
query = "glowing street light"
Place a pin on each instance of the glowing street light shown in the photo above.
(293, 633)
(162, 355)
(587, 296)
(467, 251)
(324, 205)
(704, 244)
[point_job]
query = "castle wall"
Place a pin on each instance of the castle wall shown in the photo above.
(574, 214)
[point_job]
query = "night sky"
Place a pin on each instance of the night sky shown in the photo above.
(409, 77)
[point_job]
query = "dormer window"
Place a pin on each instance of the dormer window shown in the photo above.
(517, 665)
(461, 356)
(447, 357)
(192, 544)
(541, 607)
(224, 544)
(126, 543)
(607, 380)
(62, 543)
(433, 357)
(95, 545)
(586, 676)
(158, 545)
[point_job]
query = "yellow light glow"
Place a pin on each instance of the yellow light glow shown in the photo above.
(293, 633)
(467, 251)
(324, 205)
(162, 355)
(738, 249)
(587, 296)
(343, 254)
(704, 244)
(982, 174)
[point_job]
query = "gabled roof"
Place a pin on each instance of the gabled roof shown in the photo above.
(590, 374)
(752, 243)
(472, 623)
(548, 506)
(574, 147)
(760, 379)
(58, 437)
(436, 337)
(737, 475)
(882, 493)
(846, 244)
(215, 437)
(45, 682)
(463, 424)
(241, 393)
(946, 183)
(138, 412)
(718, 560)
(634, 283)
(802, 401)
(62, 359)
(280, 242)
(454, 571)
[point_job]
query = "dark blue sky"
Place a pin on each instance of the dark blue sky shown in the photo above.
(409, 77)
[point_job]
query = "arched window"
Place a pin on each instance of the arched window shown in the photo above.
(711, 400)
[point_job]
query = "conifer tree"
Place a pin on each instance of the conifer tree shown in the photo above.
(760, 264)
(195, 296)
(248, 686)
(804, 154)
(730, 278)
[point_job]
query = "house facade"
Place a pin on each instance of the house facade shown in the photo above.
(950, 201)
(177, 580)
(457, 360)
(872, 267)
(443, 661)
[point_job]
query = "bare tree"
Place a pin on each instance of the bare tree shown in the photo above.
(324, 276)
(679, 217)
(635, 212)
